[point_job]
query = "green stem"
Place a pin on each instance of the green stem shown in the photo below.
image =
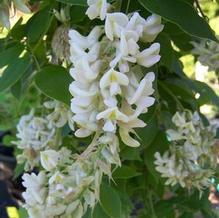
(91, 146)
(151, 204)
(127, 7)
(200, 10)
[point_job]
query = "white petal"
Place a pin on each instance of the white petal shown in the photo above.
(150, 76)
(127, 139)
(109, 126)
(114, 24)
(82, 133)
(92, 12)
(149, 56)
(105, 114)
(103, 10)
(139, 92)
(115, 89)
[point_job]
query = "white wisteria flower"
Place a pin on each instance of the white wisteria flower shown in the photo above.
(61, 114)
(97, 8)
(49, 159)
(35, 191)
(111, 116)
(191, 160)
(149, 56)
(208, 53)
(34, 135)
(152, 28)
(113, 80)
(115, 23)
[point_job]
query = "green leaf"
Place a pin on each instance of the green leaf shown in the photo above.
(166, 51)
(160, 144)
(77, 13)
(17, 32)
(14, 72)
(7, 140)
(98, 212)
(181, 39)
(74, 2)
(182, 14)
(148, 133)
(110, 201)
(54, 81)
(20, 88)
(38, 25)
(125, 172)
(164, 209)
(207, 94)
(129, 153)
(8, 55)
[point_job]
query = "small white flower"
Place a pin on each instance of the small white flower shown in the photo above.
(152, 28)
(179, 119)
(49, 159)
(61, 114)
(126, 128)
(85, 42)
(136, 24)
(113, 79)
(141, 95)
(149, 56)
(84, 90)
(114, 24)
(84, 72)
(111, 115)
(35, 188)
(97, 8)
(34, 132)
(77, 52)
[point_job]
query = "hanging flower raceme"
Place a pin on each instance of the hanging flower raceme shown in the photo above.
(191, 159)
(108, 73)
(67, 186)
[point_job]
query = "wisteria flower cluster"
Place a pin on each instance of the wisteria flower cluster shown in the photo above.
(190, 160)
(65, 187)
(37, 133)
(111, 88)
(97, 83)
(208, 54)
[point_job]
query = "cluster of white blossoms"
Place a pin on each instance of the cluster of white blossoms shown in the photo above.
(111, 89)
(208, 54)
(190, 160)
(68, 184)
(36, 133)
(60, 114)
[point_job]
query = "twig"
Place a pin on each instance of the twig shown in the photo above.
(90, 148)
(200, 10)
